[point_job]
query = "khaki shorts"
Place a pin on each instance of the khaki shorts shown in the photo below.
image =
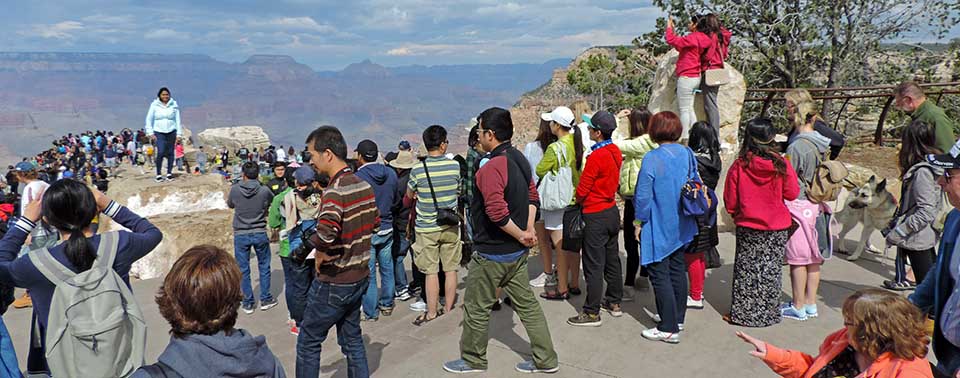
(431, 248)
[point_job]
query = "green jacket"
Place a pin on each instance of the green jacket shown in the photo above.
(276, 220)
(633, 151)
(945, 127)
(550, 163)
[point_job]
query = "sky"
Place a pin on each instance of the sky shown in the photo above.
(328, 35)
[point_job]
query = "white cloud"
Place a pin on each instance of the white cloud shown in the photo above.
(61, 30)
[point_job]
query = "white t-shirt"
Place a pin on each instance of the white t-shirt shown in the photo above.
(30, 192)
(281, 155)
(534, 154)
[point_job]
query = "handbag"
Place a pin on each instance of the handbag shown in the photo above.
(556, 188)
(445, 217)
(716, 76)
(573, 228)
(695, 198)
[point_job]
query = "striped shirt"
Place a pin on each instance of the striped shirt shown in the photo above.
(348, 215)
(445, 175)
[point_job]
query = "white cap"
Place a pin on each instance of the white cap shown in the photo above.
(561, 115)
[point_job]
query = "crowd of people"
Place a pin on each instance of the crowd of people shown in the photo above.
(344, 221)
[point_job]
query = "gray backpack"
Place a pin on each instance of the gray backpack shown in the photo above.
(95, 327)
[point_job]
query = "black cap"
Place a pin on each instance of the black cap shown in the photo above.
(368, 150)
(601, 120)
(949, 160)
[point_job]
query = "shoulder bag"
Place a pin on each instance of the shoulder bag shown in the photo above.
(556, 187)
(445, 217)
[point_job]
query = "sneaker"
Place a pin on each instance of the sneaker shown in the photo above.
(629, 294)
(23, 302)
(656, 319)
(460, 367)
(294, 330)
(158, 179)
(540, 281)
(418, 306)
(811, 310)
(169, 177)
(613, 309)
(266, 305)
(584, 319)
(794, 313)
(655, 335)
(247, 309)
(529, 367)
(386, 311)
(692, 303)
(403, 295)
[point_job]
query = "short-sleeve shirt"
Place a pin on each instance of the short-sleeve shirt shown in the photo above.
(445, 175)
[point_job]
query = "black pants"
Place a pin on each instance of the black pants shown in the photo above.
(921, 261)
(601, 259)
(165, 146)
(669, 280)
(631, 245)
(419, 280)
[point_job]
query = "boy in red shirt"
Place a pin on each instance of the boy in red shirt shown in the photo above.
(597, 194)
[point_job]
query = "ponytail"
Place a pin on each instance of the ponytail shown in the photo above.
(578, 146)
(70, 207)
(79, 251)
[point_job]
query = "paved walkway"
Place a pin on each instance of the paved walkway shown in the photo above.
(708, 347)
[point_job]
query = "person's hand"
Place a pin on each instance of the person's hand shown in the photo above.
(32, 211)
(636, 232)
(102, 200)
(669, 22)
(894, 237)
(153, 138)
(759, 346)
(624, 113)
(528, 238)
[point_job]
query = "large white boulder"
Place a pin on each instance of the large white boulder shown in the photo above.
(663, 97)
(234, 137)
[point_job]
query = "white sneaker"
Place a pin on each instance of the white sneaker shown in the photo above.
(418, 306)
(540, 281)
(655, 335)
(656, 318)
(694, 304)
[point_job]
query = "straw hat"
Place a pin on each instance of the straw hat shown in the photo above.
(404, 160)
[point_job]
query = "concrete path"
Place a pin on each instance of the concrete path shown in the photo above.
(708, 347)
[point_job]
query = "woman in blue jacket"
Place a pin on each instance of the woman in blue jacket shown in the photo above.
(163, 126)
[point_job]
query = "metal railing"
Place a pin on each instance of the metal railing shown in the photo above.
(874, 91)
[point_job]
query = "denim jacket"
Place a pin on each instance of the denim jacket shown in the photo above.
(932, 294)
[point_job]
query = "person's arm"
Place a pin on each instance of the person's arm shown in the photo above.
(787, 363)
(928, 196)
(679, 42)
(176, 120)
(731, 197)
(791, 186)
(588, 177)
(148, 123)
(10, 247)
(143, 236)
(643, 194)
(549, 161)
(230, 203)
(491, 180)
(726, 42)
(329, 222)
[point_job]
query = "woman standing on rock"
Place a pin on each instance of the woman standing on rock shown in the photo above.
(757, 184)
(163, 127)
(713, 58)
(689, 68)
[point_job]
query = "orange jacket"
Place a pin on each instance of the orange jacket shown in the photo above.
(794, 364)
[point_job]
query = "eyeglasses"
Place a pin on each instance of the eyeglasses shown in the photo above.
(946, 175)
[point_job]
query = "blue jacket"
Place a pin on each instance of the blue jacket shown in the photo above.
(384, 182)
(163, 118)
(932, 295)
(657, 202)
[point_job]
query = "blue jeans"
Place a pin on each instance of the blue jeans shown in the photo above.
(399, 272)
(8, 356)
(261, 244)
(331, 305)
(381, 250)
(297, 279)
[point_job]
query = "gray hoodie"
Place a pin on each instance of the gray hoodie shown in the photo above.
(805, 154)
(218, 355)
(250, 201)
(920, 206)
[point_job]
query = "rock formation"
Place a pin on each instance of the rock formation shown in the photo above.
(234, 137)
(663, 96)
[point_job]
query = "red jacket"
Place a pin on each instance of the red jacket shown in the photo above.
(754, 195)
(691, 47)
(600, 179)
(718, 52)
(794, 364)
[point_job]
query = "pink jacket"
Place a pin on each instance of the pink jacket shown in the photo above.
(691, 48)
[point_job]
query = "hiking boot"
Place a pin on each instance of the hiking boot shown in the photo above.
(248, 309)
(266, 305)
(460, 367)
(23, 302)
(530, 367)
(584, 319)
(656, 335)
(613, 309)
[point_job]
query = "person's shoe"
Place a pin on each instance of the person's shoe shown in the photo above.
(497, 306)
(656, 319)
(460, 367)
(629, 294)
(794, 313)
(248, 309)
(364, 318)
(169, 177)
(551, 280)
(785, 305)
(613, 309)
(530, 368)
(23, 302)
(584, 319)
(811, 310)
(655, 335)
(898, 286)
(294, 330)
(403, 295)
(692, 303)
(540, 281)
(158, 179)
(386, 311)
(418, 306)
(266, 305)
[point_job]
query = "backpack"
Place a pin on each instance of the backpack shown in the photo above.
(95, 327)
(827, 180)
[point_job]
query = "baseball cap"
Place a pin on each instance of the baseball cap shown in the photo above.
(367, 149)
(561, 115)
(601, 120)
(404, 145)
(304, 175)
(949, 160)
(24, 166)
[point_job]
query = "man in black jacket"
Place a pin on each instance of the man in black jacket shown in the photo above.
(503, 208)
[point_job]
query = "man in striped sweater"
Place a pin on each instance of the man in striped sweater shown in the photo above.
(347, 219)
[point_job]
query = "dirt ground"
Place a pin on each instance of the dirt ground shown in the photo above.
(880, 159)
